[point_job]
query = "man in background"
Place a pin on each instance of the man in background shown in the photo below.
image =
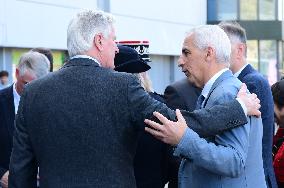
(4, 79)
(47, 52)
(182, 95)
(32, 65)
(257, 84)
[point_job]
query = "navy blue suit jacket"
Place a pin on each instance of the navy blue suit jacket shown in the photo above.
(7, 117)
(257, 84)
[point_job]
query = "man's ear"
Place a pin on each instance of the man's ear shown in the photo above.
(17, 73)
(98, 40)
(210, 53)
(241, 50)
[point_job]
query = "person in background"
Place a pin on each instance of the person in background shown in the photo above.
(32, 65)
(278, 140)
(47, 52)
(257, 84)
(150, 161)
(4, 79)
(182, 95)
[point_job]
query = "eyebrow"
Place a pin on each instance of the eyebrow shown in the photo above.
(185, 50)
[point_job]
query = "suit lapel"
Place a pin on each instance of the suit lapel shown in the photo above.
(220, 79)
(9, 113)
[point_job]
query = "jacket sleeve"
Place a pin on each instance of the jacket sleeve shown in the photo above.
(209, 122)
(23, 166)
(142, 106)
(226, 155)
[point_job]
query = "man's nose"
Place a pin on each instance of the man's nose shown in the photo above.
(180, 62)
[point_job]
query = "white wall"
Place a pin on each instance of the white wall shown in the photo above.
(159, 72)
(162, 22)
(33, 23)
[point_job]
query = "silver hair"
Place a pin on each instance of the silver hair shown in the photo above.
(84, 27)
(235, 32)
(34, 62)
(213, 36)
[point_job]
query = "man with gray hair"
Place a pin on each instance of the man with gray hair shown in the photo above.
(257, 84)
(231, 159)
(80, 124)
(32, 65)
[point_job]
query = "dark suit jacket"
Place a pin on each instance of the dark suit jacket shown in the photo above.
(80, 125)
(7, 117)
(182, 95)
(179, 95)
(257, 84)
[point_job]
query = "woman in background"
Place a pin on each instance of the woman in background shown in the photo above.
(151, 159)
(278, 140)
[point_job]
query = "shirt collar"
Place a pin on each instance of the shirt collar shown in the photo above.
(209, 84)
(16, 98)
(239, 72)
(86, 56)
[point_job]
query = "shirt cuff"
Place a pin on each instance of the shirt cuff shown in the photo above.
(243, 106)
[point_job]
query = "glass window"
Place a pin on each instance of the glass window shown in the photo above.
(211, 10)
(281, 66)
(227, 10)
(248, 9)
(252, 53)
(280, 9)
(268, 60)
(267, 9)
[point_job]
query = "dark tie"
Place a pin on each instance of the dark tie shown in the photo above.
(199, 102)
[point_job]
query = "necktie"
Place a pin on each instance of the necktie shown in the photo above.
(199, 102)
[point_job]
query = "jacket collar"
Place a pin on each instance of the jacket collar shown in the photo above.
(81, 61)
(248, 69)
(222, 77)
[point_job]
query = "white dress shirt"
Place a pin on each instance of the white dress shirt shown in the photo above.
(86, 56)
(16, 98)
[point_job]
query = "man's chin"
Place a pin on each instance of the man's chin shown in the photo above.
(190, 79)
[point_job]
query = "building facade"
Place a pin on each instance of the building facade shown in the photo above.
(25, 24)
(263, 21)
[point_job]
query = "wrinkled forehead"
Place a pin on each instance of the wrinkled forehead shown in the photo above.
(189, 41)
